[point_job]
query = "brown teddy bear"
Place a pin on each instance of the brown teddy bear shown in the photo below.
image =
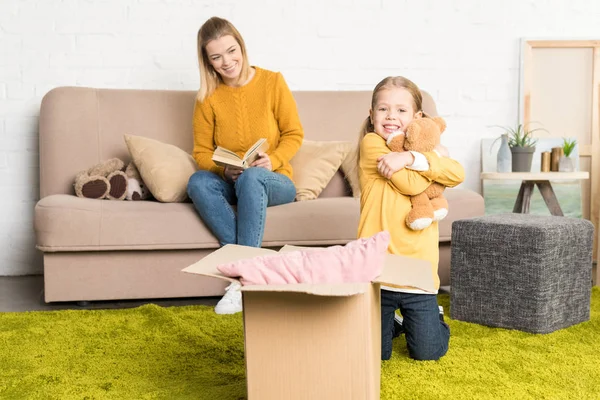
(103, 180)
(422, 135)
(136, 189)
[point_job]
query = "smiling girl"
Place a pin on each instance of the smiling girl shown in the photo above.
(387, 181)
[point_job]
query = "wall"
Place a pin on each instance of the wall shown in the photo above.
(464, 52)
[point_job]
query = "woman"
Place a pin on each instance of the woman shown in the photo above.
(238, 104)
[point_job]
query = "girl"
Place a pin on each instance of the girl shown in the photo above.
(387, 179)
(238, 104)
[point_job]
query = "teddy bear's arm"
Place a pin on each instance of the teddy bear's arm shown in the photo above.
(444, 170)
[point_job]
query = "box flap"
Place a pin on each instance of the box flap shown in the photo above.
(318, 289)
(290, 247)
(402, 271)
(226, 254)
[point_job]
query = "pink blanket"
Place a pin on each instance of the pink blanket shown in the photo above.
(358, 261)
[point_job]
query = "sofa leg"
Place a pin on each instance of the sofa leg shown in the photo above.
(83, 303)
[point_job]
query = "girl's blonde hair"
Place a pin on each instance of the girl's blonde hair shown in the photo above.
(215, 28)
(390, 82)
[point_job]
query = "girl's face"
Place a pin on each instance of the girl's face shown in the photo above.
(393, 111)
(225, 56)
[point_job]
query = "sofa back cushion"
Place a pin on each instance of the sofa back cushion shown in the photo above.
(80, 127)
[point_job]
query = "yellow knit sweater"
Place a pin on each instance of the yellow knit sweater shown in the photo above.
(384, 203)
(236, 117)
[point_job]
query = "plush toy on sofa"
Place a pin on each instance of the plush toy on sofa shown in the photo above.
(136, 189)
(103, 180)
(422, 135)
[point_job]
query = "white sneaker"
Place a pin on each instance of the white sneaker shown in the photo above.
(231, 302)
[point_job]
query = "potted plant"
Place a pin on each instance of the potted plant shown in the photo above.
(565, 163)
(522, 146)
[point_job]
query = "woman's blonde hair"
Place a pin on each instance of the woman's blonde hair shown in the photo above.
(390, 82)
(215, 28)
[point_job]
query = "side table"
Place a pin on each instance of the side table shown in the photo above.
(542, 180)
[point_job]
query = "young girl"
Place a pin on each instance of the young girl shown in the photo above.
(387, 179)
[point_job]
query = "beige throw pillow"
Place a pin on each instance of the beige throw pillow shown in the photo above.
(164, 168)
(315, 164)
(350, 169)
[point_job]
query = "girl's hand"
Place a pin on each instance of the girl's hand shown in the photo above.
(263, 161)
(232, 173)
(392, 162)
(442, 150)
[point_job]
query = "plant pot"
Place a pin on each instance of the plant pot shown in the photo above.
(522, 158)
(566, 164)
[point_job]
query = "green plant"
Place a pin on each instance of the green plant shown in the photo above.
(568, 146)
(520, 136)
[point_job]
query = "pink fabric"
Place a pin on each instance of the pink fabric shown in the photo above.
(358, 261)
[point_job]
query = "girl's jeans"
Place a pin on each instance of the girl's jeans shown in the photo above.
(426, 335)
(255, 190)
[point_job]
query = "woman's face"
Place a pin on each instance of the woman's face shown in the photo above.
(225, 56)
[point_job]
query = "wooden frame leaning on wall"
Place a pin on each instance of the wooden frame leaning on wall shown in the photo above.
(560, 90)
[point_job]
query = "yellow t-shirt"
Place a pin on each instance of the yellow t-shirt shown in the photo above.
(236, 117)
(384, 203)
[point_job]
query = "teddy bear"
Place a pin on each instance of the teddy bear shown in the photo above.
(103, 180)
(136, 189)
(422, 135)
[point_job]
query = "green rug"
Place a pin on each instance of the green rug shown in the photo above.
(189, 352)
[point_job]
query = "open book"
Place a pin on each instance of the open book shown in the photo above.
(224, 157)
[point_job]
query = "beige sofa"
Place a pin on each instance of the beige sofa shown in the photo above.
(105, 250)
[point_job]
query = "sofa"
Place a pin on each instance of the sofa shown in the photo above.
(108, 250)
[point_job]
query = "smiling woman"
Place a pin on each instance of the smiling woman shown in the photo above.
(238, 105)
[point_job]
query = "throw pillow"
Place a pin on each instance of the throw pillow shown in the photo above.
(358, 261)
(315, 164)
(165, 168)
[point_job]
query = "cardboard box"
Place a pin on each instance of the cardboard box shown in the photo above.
(314, 341)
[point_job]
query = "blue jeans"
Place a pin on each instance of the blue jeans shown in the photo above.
(254, 190)
(426, 335)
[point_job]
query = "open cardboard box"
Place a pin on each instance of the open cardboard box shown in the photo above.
(314, 341)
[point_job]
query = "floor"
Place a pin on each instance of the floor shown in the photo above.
(26, 293)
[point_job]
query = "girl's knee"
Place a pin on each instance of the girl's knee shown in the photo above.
(428, 354)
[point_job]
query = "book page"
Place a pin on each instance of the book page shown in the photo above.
(252, 154)
(223, 152)
(227, 161)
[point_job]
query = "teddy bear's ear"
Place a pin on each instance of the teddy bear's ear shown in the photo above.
(439, 121)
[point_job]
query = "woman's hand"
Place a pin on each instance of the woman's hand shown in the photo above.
(263, 161)
(388, 164)
(232, 173)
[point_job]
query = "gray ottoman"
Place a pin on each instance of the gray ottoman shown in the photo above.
(521, 271)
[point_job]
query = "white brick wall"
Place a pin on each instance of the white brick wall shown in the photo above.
(464, 52)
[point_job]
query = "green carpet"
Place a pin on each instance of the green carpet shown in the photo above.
(189, 352)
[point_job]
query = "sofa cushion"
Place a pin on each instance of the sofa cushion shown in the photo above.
(165, 168)
(337, 187)
(70, 223)
(315, 164)
(349, 168)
